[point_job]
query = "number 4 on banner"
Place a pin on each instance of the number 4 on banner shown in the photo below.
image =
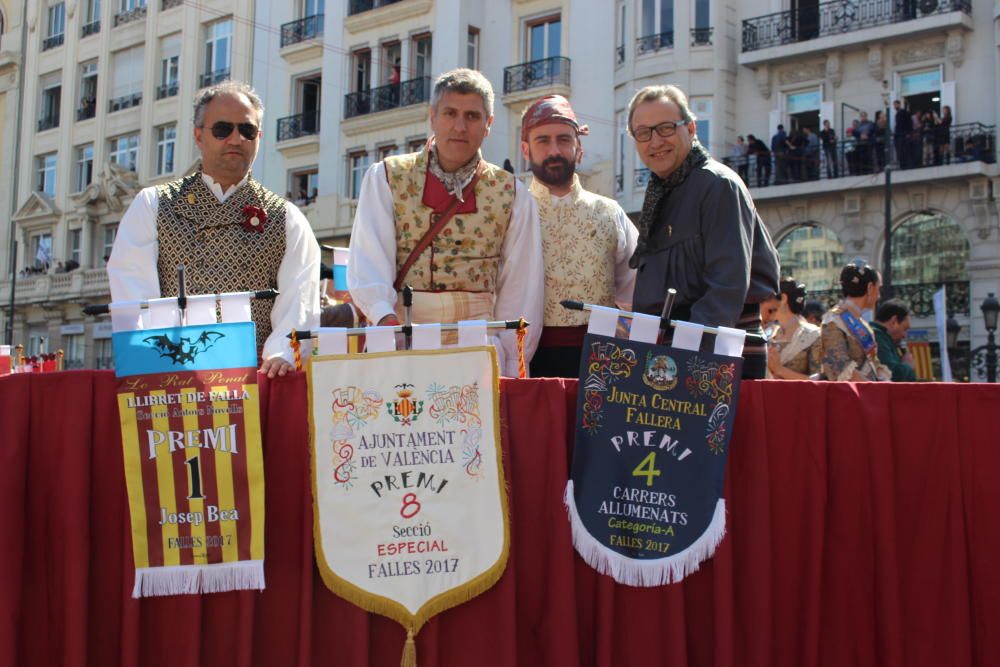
(647, 469)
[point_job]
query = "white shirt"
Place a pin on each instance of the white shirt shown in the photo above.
(133, 275)
(520, 287)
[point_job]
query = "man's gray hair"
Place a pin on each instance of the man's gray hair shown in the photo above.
(464, 81)
(227, 87)
(654, 93)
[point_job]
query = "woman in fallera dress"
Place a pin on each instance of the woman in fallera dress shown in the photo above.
(794, 351)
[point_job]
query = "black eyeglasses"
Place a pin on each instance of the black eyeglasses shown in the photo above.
(665, 130)
(223, 128)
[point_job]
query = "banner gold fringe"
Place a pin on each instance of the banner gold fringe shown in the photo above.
(383, 606)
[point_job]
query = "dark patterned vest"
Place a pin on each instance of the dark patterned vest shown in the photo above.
(208, 236)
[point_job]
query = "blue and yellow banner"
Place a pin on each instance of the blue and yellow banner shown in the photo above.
(190, 419)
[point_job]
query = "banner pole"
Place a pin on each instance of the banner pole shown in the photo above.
(181, 294)
(408, 317)
(668, 305)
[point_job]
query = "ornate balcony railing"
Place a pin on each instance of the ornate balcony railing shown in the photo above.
(52, 41)
(88, 109)
(358, 6)
(652, 43)
(969, 142)
(89, 29)
(300, 125)
(640, 179)
(48, 123)
(701, 36)
(388, 97)
(919, 297)
(837, 17)
(124, 102)
(544, 72)
(131, 15)
(167, 90)
(294, 32)
(212, 78)
(170, 4)
(620, 55)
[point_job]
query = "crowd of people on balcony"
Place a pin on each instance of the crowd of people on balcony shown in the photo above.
(916, 138)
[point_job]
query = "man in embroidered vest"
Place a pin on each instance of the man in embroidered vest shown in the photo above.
(231, 233)
(699, 231)
(462, 232)
(587, 239)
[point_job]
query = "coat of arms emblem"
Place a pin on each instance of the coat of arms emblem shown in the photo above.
(405, 410)
(660, 372)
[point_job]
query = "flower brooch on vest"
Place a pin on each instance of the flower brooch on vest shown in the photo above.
(254, 219)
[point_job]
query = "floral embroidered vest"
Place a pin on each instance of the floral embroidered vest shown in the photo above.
(579, 245)
(465, 256)
(195, 229)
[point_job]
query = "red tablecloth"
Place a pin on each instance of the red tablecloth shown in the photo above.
(863, 530)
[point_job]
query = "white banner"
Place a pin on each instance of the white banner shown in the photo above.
(409, 495)
(941, 320)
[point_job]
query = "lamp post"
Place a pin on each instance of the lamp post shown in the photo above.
(984, 357)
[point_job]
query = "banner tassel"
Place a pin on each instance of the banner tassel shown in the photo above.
(409, 651)
(521, 371)
(297, 350)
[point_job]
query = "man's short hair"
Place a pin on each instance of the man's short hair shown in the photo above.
(654, 93)
(465, 81)
(227, 87)
(890, 309)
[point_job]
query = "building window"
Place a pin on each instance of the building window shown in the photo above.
(84, 166)
(362, 70)
(218, 45)
(92, 12)
(73, 351)
(103, 355)
(303, 187)
(358, 164)
(170, 59)
(55, 26)
(421, 56)
(657, 26)
(75, 249)
(702, 109)
(620, 48)
(312, 8)
(544, 38)
(40, 247)
(127, 78)
(108, 233)
(88, 91)
(125, 151)
(51, 103)
(166, 138)
(800, 253)
(623, 142)
(383, 152)
(46, 174)
(472, 49)
(391, 63)
(417, 145)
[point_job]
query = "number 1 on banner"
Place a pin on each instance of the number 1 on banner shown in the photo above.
(647, 469)
(194, 466)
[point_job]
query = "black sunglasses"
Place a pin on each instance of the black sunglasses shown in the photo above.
(223, 128)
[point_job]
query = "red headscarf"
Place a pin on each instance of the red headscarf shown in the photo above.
(550, 109)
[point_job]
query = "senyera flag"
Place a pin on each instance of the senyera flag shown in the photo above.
(190, 421)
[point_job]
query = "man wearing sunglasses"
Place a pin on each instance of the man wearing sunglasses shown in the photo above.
(230, 232)
(699, 231)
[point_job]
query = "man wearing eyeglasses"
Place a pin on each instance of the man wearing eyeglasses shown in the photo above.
(230, 232)
(699, 231)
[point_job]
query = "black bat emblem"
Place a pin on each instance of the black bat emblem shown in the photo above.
(185, 350)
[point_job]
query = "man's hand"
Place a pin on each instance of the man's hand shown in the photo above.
(275, 366)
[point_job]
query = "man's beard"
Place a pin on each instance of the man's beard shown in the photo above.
(557, 171)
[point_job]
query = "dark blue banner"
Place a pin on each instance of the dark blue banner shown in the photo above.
(652, 432)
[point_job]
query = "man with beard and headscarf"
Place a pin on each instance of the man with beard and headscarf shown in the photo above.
(586, 239)
(462, 232)
(699, 231)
